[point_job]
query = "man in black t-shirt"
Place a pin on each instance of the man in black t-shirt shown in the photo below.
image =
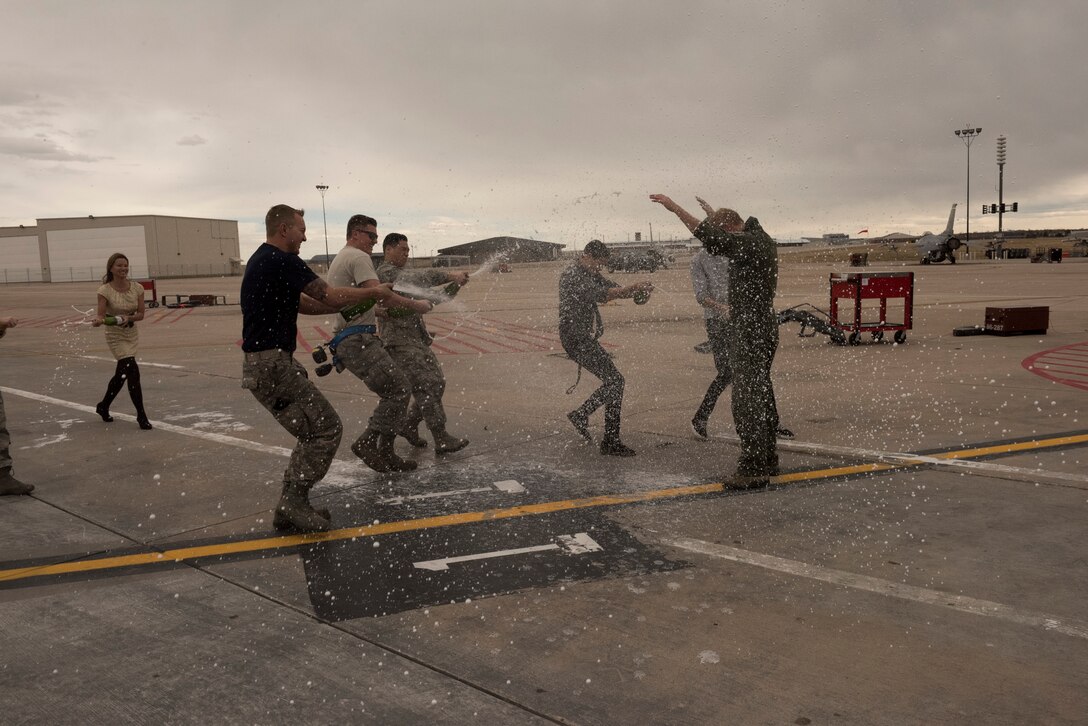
(581, 289)
(277, 286)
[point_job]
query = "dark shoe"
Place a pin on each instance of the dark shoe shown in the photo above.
(295, 513)
(446, 444)
(366, 448)
(703, 347)
(746, 483)
(385, 448)
(616, 448)
(698, 425)
(412, 437)
(783, 433)
(10, 485)
(144, 423)
(581, 424)
(104, 412)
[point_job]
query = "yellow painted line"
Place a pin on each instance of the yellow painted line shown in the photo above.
(1013, 448)
(279, 542)
(272, 543)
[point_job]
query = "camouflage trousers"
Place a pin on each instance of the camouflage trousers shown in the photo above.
(424, 374)
(752, 345)
(280, 383)
(366, 357)
(5, 438)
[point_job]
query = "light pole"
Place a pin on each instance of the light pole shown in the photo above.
(1000, 182)
(968, 135)
(324, 188)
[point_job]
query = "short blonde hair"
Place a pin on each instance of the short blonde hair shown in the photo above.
(725, 218)
(280, 214)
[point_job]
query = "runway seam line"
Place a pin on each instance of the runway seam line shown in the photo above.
(880, 586)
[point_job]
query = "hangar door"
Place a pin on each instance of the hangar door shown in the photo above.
(19, 259)
(81, 254)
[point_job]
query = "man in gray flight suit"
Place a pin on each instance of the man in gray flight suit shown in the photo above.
(409, 344)
(753, 336)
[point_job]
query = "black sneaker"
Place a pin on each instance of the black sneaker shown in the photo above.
(616, 448)
(698, 425)
(581, 425)
(703, 347)
(783, 433)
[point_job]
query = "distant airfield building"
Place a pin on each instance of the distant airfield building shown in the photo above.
(69, 249)
(510, 249)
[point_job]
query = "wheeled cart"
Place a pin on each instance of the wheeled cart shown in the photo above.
(149, 286)
(857, 287)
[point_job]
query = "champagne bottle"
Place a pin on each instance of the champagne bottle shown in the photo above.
(119, 320)
(354, 310)
(641, 297)
(451, 289)
(401, 312)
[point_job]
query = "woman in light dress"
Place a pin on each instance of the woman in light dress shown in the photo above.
(123, 301)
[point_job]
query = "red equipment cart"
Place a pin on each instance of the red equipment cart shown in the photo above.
(883, 286)
(153, 301)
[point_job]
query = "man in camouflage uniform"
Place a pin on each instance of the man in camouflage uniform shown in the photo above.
(408, 342)
(360, 350)
(753, 337)
(8, 483)
(276, 287)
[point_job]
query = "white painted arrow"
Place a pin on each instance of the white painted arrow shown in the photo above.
(507, 485)
(574, 544)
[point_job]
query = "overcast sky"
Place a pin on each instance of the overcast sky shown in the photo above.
(454, 121)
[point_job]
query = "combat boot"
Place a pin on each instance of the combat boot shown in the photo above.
(295, 512)
(10, 485)
(446, 444)
(368, 448)
(409, 427)
(385, 448)
(411, 435)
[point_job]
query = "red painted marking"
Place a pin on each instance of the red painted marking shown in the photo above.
(439, 348)
(467, 344)
(164, 315)
(323, 333)
(522, 329)
(458, 333)
(490, 336)
(1041, 366)
(507, 334)
(45, 322)
(179, 317)
(302, 341)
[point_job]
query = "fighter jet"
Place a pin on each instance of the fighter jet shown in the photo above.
(939, 247)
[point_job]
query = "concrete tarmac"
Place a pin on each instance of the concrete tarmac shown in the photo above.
(920, 560)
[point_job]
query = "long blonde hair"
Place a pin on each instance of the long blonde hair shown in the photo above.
(108, 277)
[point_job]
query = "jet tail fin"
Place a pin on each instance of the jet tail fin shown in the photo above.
(951, 220)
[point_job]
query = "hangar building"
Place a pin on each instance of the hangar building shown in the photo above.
(513, 249)
(68, 249)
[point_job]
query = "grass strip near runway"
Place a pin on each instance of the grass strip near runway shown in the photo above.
(281, 542)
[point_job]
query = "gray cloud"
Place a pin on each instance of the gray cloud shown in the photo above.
(471, 119)
(41, 148)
